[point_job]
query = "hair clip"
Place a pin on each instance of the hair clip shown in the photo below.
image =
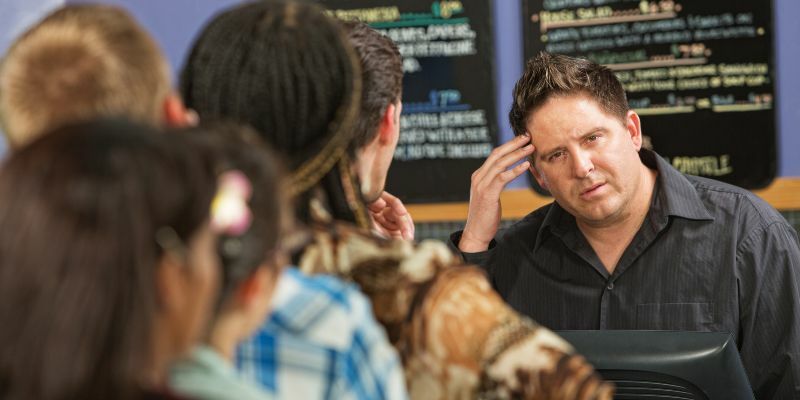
(230, 214)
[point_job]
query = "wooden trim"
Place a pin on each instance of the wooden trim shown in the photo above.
(783, 194)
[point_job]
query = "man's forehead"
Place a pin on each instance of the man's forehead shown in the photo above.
(575, 116)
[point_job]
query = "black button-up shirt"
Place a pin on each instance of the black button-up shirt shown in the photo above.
(708, 257)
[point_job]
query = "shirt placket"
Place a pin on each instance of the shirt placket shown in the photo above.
(605, 303)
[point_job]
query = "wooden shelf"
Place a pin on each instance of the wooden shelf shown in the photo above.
(783, 194)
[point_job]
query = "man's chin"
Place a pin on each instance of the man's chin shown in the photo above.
(601, 216)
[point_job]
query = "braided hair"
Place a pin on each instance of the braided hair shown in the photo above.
(286, 69)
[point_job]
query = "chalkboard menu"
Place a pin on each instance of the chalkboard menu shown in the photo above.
(699, 73)
(448, 124)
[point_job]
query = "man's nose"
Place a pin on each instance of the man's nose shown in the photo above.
(582, 163)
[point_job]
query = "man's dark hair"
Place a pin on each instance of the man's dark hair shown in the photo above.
(548, 75)
(81, 208)
(381, 77)
(286, 69)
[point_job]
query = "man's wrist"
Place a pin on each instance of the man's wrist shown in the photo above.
(468, 244)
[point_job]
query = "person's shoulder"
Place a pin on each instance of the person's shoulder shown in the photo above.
(529, 225)
(204, 374)
(324, 291)
(344, 247)
(319, 308)
(303, 285)
(537, 216)
(161, 394)
(725, 199)
(708, 185)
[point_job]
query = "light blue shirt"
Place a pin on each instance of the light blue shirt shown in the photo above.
(206, 375)
(321, 341)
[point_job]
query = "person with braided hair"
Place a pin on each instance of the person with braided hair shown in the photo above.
(321, 339)
(290, 71)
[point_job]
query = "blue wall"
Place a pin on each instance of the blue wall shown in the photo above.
(787, 14)
(175, 22)
(15, 17)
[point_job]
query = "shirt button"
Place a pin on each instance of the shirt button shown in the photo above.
(610, 286)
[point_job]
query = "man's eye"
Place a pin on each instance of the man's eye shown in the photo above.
(592, 138)
(555, 156)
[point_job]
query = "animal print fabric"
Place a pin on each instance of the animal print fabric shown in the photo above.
(456, 336)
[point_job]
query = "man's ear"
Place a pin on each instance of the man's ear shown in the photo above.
(539, 178)
(176, 115)
(388, 130)
(634, 127)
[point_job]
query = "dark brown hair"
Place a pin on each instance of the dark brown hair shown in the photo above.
(548, 75)
(237, 147)
(381, 76)
(80, 210)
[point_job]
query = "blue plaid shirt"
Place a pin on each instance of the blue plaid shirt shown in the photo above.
(321, 341)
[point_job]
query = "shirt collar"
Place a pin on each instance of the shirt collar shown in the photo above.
(211, 360)
(294, 305)
(673, 196)
(557, 221)
(677, 196)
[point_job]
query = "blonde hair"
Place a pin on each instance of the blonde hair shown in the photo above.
(81, 62)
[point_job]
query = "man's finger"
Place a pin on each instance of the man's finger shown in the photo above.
(509, 146)
(408, 228)
(385, 223)
(397, 206)
(501, 151)
(377, 205)
(511, 174)
(512, 158)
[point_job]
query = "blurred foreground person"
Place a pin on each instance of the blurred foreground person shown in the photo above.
(81, 62)
(252, 201)
(288, 70)
(108, 261)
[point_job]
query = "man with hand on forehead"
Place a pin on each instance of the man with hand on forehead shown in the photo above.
(630, 242)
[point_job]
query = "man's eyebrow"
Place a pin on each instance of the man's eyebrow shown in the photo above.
(594, 130)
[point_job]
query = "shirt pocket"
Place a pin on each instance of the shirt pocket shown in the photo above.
(675, 316)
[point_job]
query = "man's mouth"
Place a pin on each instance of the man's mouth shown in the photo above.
(592, 189)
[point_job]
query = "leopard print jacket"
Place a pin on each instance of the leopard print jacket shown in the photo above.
(456, 336)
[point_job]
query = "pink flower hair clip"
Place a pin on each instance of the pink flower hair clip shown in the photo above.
(230, 214)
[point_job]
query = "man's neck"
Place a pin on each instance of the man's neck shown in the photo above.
(609, 241)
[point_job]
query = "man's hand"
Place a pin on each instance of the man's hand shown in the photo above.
(390, 217)
(488, 181)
